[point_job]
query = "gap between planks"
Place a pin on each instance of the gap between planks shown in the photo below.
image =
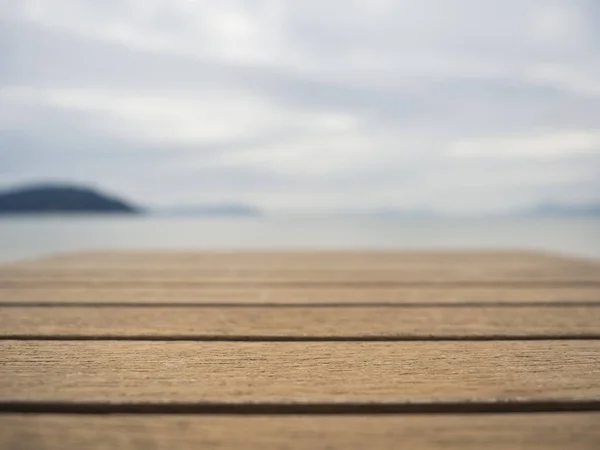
(297, 304)
(275, 338)
(513, 406)
(527, 284)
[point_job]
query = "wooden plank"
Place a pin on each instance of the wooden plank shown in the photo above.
(454, 275)
(300, 295)
(271, 322)
(344, 268)
(309, 371)
(532, 431)
(297, 258)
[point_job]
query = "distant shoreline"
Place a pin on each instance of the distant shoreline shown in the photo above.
(65, 199)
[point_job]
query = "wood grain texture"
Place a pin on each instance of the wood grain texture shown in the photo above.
(310, 268)
(357, 322)
(287, 372)
(493, 432)
(457, 275)
(278, 295)
(297, 294)
(297, 258)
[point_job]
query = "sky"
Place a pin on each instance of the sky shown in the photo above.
(457, 106)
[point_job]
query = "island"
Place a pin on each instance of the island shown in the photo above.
(61, 199)
(217, 209)
(565, 210)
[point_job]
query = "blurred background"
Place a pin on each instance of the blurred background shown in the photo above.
(299, 124)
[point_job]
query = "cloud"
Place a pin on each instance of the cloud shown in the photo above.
(459, 105)
(542, 145)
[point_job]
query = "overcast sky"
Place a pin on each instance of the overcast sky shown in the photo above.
(454, 105)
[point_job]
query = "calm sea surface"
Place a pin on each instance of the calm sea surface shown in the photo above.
(26, 237)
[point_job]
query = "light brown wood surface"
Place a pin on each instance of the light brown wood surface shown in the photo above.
(317, 268)
(306, 371)
(301, 295)
(456, 432)
(157, 331)
(317, 259)
(452, 275)
(274, 322)
(323, 295)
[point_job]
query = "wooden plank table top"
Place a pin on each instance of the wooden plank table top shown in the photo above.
(258, 322)
(317, 372)
(556, 431)
(323, 349)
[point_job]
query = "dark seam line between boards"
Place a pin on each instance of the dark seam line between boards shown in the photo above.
(470, 304)
(303, 284)
(286, 338)
(493, 407)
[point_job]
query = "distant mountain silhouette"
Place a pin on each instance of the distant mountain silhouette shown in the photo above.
(556, 209)
(224, 209)
(60, 199)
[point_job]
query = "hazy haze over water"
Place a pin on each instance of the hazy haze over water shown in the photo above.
(34, 236)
